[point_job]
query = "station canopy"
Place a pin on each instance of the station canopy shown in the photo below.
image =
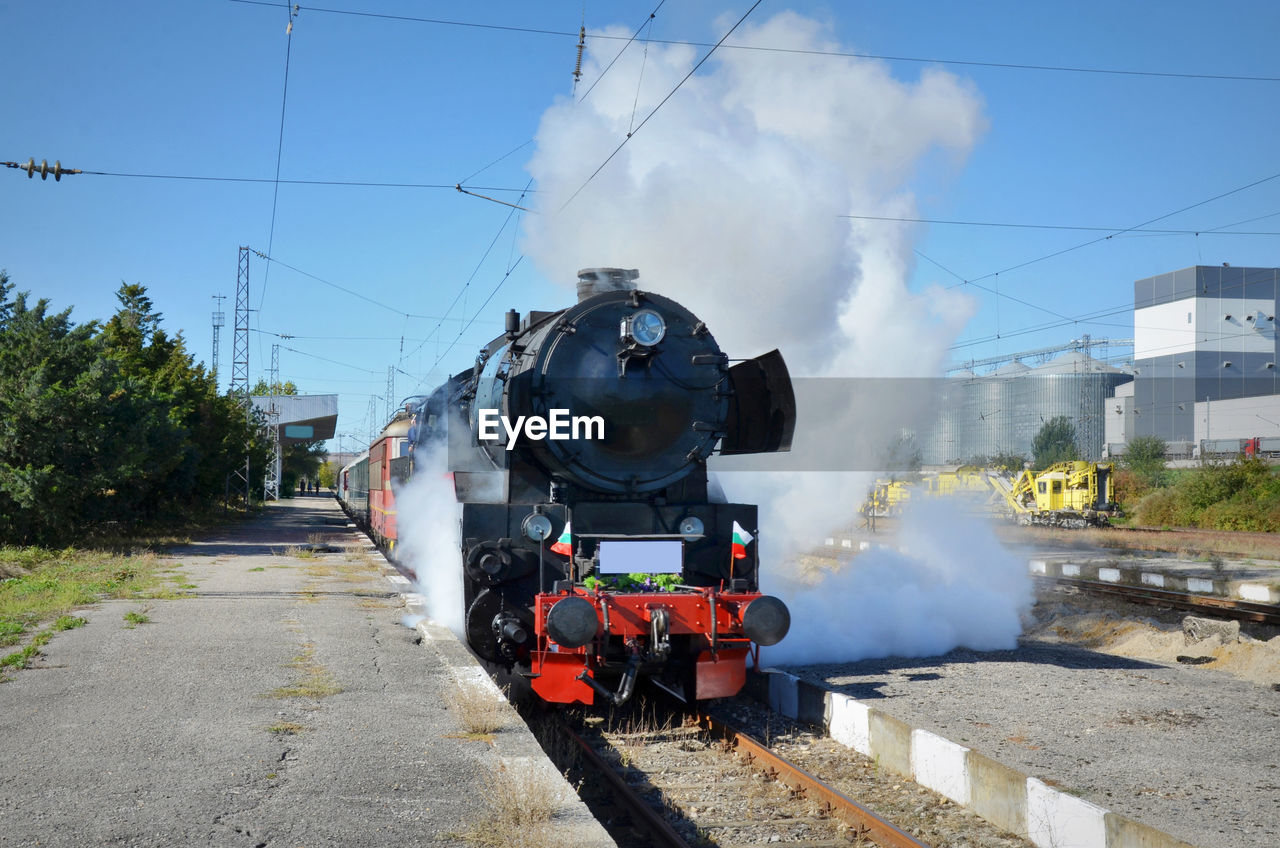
(303, 418)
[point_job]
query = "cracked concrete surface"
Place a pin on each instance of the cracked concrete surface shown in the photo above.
(176, 732)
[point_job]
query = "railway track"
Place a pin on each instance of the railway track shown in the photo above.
(1222, 607)
(704, 781)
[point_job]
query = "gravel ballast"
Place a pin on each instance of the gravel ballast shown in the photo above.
(1186, 749)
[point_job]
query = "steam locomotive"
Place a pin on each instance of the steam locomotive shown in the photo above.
(594, 547)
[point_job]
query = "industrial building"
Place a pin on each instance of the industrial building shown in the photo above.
(1205, 354)
(1000, 412)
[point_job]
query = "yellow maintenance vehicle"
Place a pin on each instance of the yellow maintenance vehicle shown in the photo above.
(890, 497)
(1067, 494)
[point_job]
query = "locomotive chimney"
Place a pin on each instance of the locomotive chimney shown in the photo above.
(593, 281)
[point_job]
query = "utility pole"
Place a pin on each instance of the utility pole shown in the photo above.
(240, 363)
(271, 480)
(391, 388)
(219, 321)
(373, 418)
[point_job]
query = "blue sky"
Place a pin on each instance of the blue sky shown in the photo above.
(195, 89)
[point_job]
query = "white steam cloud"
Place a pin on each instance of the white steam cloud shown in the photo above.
(921, 601)
(730, 200)
(429, 526)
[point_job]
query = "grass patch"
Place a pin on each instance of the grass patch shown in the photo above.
(259, 568)
(287, 728)
(521, 804)
(478, 711)
(41, 585)
(69, 622)
(133, 619)
(299, 552)
(315, 680)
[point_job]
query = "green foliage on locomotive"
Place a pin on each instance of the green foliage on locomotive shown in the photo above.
(633, 582)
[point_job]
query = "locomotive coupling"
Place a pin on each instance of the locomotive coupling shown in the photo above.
(766, 620)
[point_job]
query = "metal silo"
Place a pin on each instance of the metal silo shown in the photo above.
(1074, 385)
(1006, 397)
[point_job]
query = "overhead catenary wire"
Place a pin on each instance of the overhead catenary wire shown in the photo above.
(275, 192)
(346, 290)
(1219, 230)
(462, 291)
(648, 22)
(661, 103)
(843, 54)
(1064, 250)
(351, 183)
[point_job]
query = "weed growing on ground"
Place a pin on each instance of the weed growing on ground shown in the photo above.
(299, 552)
(521, 804)
(316, 680)
(68, 622)
(479, 711)
(287, 728)
(133, 619)
(259, 568)
(38, 585)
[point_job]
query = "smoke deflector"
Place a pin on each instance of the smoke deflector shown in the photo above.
(762, 409)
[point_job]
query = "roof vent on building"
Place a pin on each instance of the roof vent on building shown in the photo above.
(1271, 365)
(1249, 317)
(1226, 363)
(1226, 317)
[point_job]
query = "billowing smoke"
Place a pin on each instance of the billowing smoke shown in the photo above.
(732, 200)
(429, 521)
(954, 584)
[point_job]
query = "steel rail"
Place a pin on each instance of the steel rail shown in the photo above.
(642, 814)
(1241, 610)
(834, 802)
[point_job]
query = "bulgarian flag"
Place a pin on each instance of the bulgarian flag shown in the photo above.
(741, 538)
(564, 545)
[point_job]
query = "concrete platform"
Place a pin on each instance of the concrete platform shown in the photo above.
(1241, 580)
(283, 704)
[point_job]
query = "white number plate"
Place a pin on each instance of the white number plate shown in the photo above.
(656, 557)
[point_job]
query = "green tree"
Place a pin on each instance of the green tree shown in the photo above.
(301, 460)
(1002, 461)
(53, 386)
(107, 423)
(1056, 442)
(262, 388)
(903, 455)
(328, 474)
(1145, 457)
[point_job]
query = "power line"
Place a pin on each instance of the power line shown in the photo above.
(346, 290)
(331, 361)
(1055, 253)
(353, 183)
(647, 22)
(275, 193)
(1006, 224)
(466, 285)
(618, 55)
(1074, 69)
(662, 103)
